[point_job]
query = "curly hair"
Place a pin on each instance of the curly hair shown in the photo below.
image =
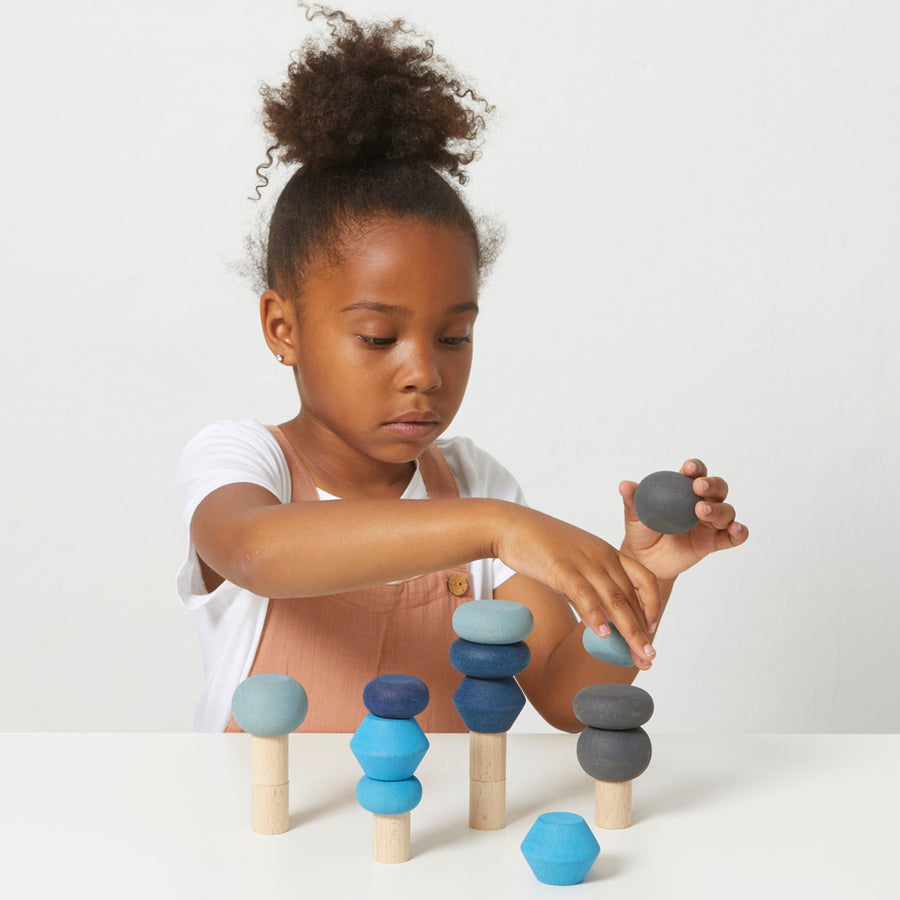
(373, 117)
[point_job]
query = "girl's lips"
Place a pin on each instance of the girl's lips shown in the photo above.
(411, 429)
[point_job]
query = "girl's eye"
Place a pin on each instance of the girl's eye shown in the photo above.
(376, 341)
(456, 341)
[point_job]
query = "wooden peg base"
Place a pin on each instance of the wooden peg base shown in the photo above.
(390, 838)
(612, 804)
(487, 781)
(269, 775)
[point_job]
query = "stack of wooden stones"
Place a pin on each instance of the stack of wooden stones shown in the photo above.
(613, 749)
(490, 651)
(389, 745)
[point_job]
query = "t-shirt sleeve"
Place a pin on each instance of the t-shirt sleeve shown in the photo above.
(229, 453)
(223, 453)
(479, 474)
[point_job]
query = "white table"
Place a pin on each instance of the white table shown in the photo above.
(168, 816)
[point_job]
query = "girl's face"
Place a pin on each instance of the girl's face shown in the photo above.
(383, 341)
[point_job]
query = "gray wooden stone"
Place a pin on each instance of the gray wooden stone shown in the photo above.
(614, 755)
(616, 707)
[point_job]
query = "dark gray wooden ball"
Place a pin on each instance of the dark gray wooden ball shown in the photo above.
(616, 707)
(665, 501)
(613, 755)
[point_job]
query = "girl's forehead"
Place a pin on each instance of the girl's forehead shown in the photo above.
(400, 257)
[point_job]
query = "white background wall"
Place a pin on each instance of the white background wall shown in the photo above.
(703, 210)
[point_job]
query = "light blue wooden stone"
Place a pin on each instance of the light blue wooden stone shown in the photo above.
(493, 621)
(612, 649)
(269, 705)
(388, 798)
(389, 749)
(560, 848)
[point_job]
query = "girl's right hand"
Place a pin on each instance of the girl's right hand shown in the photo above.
(602, 584)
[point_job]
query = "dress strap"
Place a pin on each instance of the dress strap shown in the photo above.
(437, 475)
(302, 485)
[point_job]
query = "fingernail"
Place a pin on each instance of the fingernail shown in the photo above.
(648, 649)
(739, 528)
(704, 485)
(706, 509)
(653, 627)
(603, 631)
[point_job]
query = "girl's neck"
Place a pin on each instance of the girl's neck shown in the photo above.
(339, 469)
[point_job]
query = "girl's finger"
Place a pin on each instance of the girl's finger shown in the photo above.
(719, 515)
(647, 589)
(711, 488)
(694, 468)
(626, 612)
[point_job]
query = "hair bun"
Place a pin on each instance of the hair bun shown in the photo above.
(373, 91)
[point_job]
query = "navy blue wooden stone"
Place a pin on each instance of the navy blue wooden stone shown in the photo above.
(665, 501)
(616, 707)
(395, 696)
(488, 705)
(489, 660)
(613, 755)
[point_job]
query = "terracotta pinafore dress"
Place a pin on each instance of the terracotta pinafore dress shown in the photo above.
(333, 645)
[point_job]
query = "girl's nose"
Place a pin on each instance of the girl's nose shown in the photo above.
(420, 371)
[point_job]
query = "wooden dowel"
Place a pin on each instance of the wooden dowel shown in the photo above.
(487, 781)
(269, 777)
(612, 804)
(390, 838)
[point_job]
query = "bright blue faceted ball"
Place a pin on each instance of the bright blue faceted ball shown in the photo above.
(560, 848)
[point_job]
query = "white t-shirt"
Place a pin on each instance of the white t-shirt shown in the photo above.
(230, 619)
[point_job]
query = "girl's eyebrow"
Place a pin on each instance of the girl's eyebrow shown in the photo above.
(393, 309)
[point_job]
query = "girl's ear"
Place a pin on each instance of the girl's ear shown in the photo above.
(279, 323)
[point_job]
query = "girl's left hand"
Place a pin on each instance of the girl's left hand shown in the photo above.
(668, 555)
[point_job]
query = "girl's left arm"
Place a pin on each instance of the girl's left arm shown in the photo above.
(559, 666)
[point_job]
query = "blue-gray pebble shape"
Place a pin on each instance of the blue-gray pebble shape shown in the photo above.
(395, 696)
(493, 621)
(614, 755)
(489, 660)
(665, 501)
(616, 707)
(611, 649)
(269, 704)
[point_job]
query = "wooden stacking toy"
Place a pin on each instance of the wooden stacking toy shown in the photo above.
(665, 501)
(389, 745)
(490, 652)
(560, 848)
(269, 707)
(613, 749)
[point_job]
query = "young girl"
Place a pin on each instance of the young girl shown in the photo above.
(336, 546)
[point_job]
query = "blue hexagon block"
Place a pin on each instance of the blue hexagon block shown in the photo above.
(493, 621)
(395, 696)
(388, 798)
(560, 848)
(612, 649)
(389, 749)
(269, 705)
(488, 705)
(489, 660)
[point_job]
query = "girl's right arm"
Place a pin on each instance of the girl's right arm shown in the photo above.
(244, 534)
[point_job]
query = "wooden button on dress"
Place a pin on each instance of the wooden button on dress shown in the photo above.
(458, 584)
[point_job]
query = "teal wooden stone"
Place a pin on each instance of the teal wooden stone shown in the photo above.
(493, 621)
(269, 705)
(389, 749)
(560, 848)
(665, 501)
(489, 660)
(615, 707)
(612, 649)
(388, 798)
